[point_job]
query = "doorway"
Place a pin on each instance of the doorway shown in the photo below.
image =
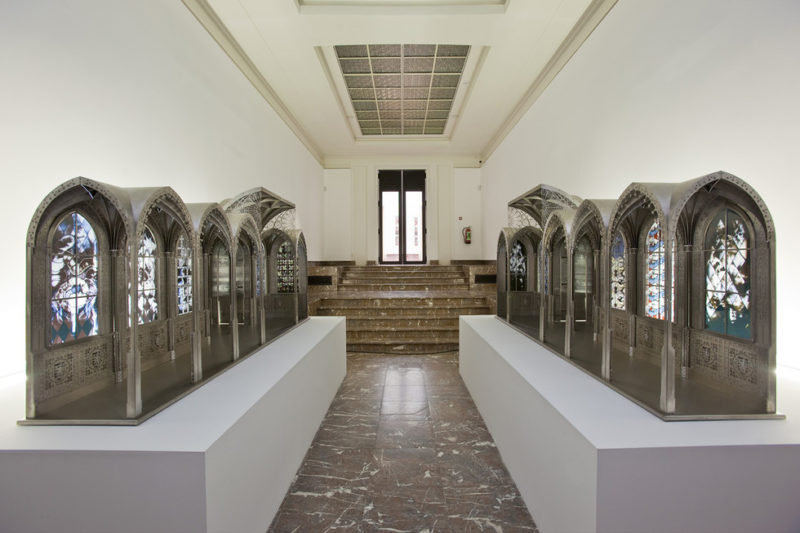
(401, 206)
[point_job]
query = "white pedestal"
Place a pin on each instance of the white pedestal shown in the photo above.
(587, 459)
(220, 459)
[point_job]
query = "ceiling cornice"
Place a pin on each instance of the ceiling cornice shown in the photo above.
(590, 19)
(208, 18)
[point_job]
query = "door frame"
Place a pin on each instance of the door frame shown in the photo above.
(419, 177)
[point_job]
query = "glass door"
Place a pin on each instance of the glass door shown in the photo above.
(402, 216)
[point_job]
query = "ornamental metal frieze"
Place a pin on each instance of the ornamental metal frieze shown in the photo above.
(742, 365)
(59, 371)
(680, 276)
(96, 361)
(706, 355)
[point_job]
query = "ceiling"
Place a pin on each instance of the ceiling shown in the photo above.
(286, 49)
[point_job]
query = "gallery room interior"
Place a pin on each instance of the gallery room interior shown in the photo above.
(401, 265)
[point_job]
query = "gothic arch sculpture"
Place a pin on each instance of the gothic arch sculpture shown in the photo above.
(676, 284)
(132, 297)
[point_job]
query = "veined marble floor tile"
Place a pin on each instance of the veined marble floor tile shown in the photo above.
(403, 448)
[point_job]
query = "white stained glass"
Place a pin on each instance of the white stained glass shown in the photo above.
(582, 267)
(728, 276)
(73, 280)
(518, 267)
(618, 273)
(222, 271)
(183, 258)
(147, 297)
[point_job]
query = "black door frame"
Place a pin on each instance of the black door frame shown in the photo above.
(402, 181)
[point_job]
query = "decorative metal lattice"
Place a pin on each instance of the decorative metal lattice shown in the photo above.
(518, 219)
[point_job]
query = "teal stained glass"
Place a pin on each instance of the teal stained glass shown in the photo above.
(728, 276)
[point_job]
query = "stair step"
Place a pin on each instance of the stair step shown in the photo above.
(403, 281)
(390, 303)
(413, 321)
(406, 348)
(403, 287)
(408, 335)
(405, 268)
(400, 312)
(404, 275)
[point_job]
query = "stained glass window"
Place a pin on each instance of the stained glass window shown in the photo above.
(222, 271)
(183, 263)
(583, 264)
(618, 273)
(728, 276)
(655, 276)
(147, 304)
(73, 280)
(285, 265)
(518, 267)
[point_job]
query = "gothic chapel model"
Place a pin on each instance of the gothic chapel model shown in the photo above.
(666, 294)
(134, 298)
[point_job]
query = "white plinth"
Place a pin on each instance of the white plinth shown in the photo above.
(587, 459)
(220, 459)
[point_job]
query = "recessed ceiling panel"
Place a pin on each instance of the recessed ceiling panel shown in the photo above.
(402, 89)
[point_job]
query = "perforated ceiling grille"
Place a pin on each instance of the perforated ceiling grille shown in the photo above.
(402, 89)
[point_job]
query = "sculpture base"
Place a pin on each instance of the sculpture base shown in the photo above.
(587, 459)
(220, 459)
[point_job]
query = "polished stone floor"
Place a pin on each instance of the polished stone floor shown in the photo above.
(403, 448)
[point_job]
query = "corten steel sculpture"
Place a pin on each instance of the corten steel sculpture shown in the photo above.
(666, 294)
(135, 298)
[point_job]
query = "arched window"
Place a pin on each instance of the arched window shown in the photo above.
(728, 275)
(583, 264)
(285, 266)
(73, 280)
(221, 266)
(655, 274)
(518, 267)
(147, 303)
(618, 273)
(183, 265)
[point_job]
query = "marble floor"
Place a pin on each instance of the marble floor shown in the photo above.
(403, 448)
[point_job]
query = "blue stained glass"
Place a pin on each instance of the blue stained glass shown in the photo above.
(73, 280)
(654, 290)
(618, 273)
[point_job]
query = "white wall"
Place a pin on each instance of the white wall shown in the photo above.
(360, 182)
(669, 91)
(134, 94)
(467, 211)
(337, 212)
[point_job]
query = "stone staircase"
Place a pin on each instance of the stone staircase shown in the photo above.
(403, 309)
(404, 278)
